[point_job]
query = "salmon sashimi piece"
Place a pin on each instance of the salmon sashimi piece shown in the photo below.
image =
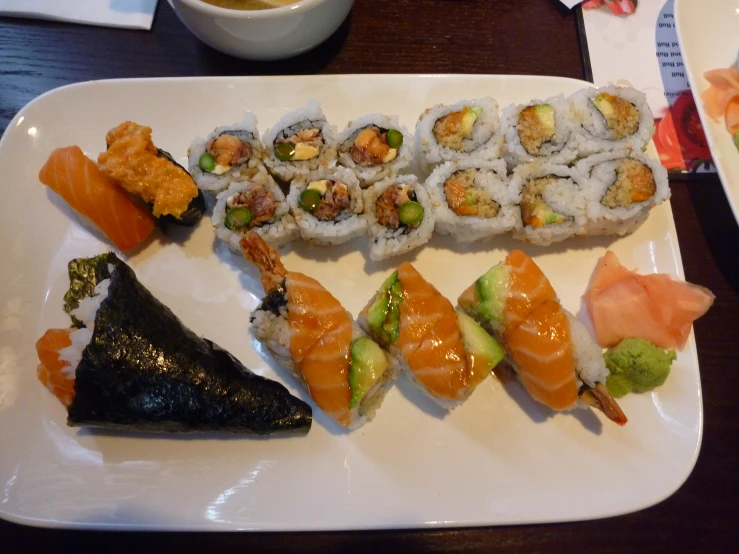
(430, 338)
(541, 347)
(326, 371)
(624, 304)
(77, 179)
(529, 288)
(50, 370)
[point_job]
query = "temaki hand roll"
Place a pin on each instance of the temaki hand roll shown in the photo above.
(151, 174)
(132, 365)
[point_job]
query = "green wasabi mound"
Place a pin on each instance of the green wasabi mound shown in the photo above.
(736, 140)
(636, 365)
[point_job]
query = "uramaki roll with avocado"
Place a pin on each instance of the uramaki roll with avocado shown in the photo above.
(374, 147)
(253, 205)
(300, 142)
(620, 189)
(327, 206)
(539, 130)
(399, 216)
(462, 131)
(310, 333)
(229, 153)
(551, 203)
(444, 351)
(471, 200)
(611, 118)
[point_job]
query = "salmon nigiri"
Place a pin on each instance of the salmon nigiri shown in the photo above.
(623, 304)
(346, 373)
(551, 352)
(445, 352)
(77, 179)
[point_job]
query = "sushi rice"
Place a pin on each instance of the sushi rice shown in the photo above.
(560, 149)
(386, 242)
(369, 174)
(483, 145)
(306, 118)
(347, 225)
(599, 173)
(222, 177)
(489, 177)
(594, 135)
(277, 231)
(563, 196)
(86, 313)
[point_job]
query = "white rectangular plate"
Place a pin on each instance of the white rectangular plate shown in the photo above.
(499, 459)
(709, 39)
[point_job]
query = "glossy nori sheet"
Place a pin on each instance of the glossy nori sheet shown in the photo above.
(84, 275)
(143, 370)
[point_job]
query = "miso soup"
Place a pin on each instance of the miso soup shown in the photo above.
(249, 4)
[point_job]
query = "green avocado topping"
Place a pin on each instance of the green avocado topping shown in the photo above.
(384, 314)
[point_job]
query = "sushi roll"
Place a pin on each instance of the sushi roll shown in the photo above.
(620, 189)
(255, 204)
(129, 363)
(549, 350)
(151, 174)
(550, 200)
(399, 216)
(539, 130)
(444, 351)
(375, 147)
(232, 152)
(309, 332)
(99, 200)
(327, 206)
(471, 200)
(300, 142)
(461, 131)
(611, 118)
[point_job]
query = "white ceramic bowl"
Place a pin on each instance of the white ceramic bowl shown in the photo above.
(270, 34)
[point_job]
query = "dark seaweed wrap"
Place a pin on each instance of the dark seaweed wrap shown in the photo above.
(143, 370)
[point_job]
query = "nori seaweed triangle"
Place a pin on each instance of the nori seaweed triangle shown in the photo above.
(144, 370)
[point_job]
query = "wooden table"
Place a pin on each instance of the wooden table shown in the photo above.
(429, 36)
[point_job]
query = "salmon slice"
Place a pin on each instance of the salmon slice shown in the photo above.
(312, 312)
(541, 347)
(320, 342)
(326, 371)
(77, 179)
(50, 369)
(623, 304)
(430, 339)
(529, 288)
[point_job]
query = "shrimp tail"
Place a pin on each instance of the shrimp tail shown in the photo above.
(600, 399)
(265, 258)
